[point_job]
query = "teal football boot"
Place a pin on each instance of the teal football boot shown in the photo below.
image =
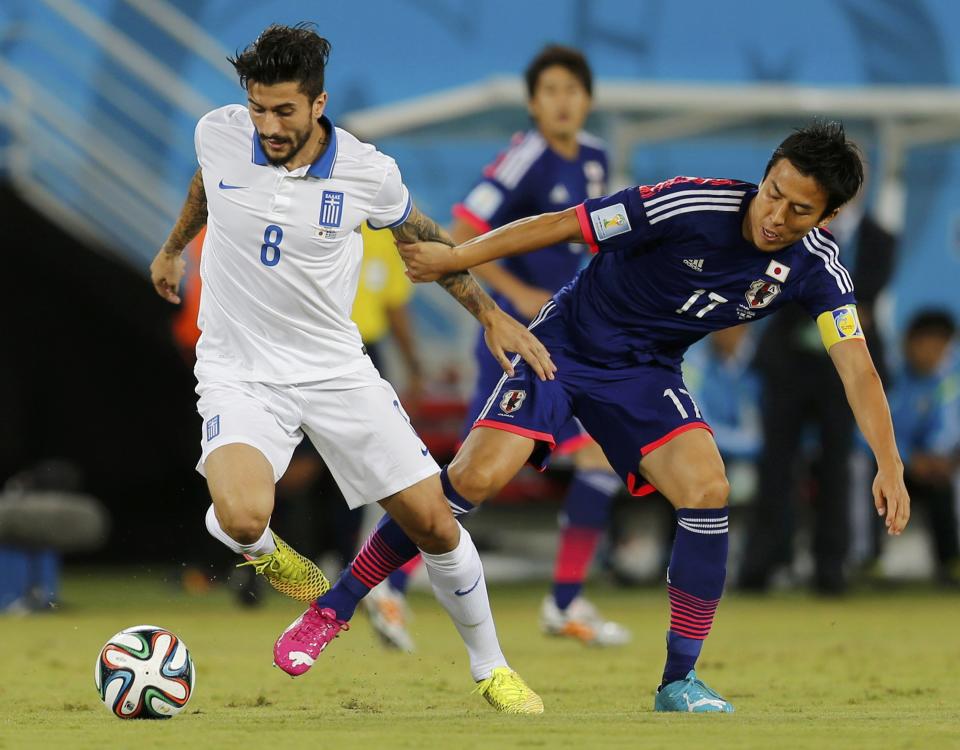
(690, 695)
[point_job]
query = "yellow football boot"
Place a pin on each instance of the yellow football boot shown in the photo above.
(506, 691)
(290, 573)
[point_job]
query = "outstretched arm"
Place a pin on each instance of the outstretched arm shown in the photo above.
(869, 405)
(502, 333)
(526, 299)
(167, 267)
(430, 261)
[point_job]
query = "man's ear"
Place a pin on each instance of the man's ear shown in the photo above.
(319, 104)
(828, 218)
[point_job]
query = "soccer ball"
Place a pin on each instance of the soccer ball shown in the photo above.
(144, 672)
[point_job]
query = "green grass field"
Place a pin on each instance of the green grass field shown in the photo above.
(875, 670)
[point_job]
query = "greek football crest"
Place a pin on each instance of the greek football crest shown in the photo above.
(331, 207)
(213, 427)
(511, 401)
(761, 293)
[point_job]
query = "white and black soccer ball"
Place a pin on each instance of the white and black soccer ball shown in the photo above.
(144, 672)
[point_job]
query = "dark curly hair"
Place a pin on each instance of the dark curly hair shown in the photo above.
(285, 53)
(566, 57)
(821, 151)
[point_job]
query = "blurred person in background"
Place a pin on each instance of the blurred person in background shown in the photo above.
(282, 192)
(925, 403)
(808, 431)
(552, 166)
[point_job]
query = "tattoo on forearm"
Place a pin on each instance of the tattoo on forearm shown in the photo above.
(193, 217)
(421, 228)
(460, 285)
(465, 290)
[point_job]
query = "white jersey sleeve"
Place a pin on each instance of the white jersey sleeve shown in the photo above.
(391, 205)
(197, 141)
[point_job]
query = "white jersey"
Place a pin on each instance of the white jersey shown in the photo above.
(281, 258)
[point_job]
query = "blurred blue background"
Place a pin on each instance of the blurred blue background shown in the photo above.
(100, 96)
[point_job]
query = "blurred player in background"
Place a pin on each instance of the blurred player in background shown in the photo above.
(283, 193)
(551, 167)
(674, 262)
(925, 401)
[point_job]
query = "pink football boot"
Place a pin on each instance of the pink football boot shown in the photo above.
(299, 645)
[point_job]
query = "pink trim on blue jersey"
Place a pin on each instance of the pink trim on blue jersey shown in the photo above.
(462, 212)
(635, 485)
(546, 437)
(515, 140)
(586, 229)
(650, 447)
(572, 445)
(649, 191)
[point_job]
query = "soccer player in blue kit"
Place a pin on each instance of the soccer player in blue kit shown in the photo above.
(552, 166)
(675, 261)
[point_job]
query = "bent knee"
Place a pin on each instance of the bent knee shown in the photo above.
(245, 530)
(711, 492)
(435, 533)
(242, 524)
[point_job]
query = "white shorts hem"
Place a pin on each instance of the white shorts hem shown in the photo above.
(398, 485)
(242, 440)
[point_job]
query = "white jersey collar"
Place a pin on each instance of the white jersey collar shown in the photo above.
(322, 168)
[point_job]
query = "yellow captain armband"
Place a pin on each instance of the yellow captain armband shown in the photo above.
(839, 325)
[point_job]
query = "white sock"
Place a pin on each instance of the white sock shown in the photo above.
(460, 570)
(263, 546)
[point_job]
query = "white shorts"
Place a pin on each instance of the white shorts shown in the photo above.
(355, 422)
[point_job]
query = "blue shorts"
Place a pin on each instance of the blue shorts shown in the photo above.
(570, 436)
(629, 411)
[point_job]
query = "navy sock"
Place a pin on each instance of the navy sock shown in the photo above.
(698, 568)
(386, 550)
(586, 512)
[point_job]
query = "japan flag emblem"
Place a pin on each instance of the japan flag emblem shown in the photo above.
(778, 270)
(511, 401)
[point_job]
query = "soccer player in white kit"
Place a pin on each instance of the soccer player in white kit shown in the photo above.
(282, 193)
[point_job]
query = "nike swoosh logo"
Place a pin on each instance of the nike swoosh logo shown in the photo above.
(424, 451)
(458, 592)
(225, 186)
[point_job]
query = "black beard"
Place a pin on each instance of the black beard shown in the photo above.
(280, 161)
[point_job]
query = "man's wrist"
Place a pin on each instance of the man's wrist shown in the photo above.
(490, 317)
(890, 463)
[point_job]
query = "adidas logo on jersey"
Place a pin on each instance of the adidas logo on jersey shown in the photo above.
(696, 265)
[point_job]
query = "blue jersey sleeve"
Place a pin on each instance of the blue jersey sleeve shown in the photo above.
(828, 286)
(640, 216)
(490, 204)
(503, 193)
(616, 221)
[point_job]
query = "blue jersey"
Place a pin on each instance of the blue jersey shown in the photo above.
(530, 179)
(926, 412)
(672, 265)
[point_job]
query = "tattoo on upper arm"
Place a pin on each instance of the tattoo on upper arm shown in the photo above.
(193, 216)
(460, 285)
